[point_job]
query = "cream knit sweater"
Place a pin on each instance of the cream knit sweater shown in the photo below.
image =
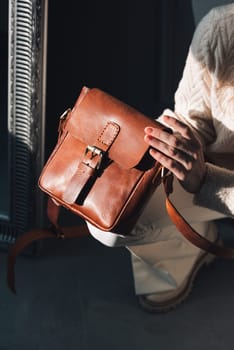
(205, 100)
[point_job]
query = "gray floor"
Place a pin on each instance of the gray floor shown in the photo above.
(79, 295)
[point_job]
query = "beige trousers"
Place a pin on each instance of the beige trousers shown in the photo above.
(161, 257)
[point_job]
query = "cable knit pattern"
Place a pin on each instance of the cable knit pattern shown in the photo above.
(205, 100)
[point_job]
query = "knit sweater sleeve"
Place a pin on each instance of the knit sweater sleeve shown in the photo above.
(217, 192)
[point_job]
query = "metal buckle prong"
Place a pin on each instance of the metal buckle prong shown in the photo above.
(95, 151)
(165, 172)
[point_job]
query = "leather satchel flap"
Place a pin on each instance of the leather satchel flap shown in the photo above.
(99, 119)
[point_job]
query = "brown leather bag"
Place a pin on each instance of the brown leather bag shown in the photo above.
(101, 170)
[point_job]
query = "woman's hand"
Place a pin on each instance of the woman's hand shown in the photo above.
(180, 152)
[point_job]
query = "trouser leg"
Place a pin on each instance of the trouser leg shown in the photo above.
(163, 265)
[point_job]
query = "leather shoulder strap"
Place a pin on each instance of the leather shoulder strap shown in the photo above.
(187, 231)
(34, 235)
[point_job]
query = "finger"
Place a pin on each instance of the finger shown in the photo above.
(180, 127)
(172, 165)
(185, 159)
(174, 141)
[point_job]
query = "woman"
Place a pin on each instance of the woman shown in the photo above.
(200, 155)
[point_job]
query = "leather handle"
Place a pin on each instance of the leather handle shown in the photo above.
(187, 231)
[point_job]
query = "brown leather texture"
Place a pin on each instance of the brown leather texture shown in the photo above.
(101, 169)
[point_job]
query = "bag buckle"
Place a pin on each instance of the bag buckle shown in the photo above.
(95, 151)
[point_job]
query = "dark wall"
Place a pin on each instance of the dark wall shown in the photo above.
(132, 49)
